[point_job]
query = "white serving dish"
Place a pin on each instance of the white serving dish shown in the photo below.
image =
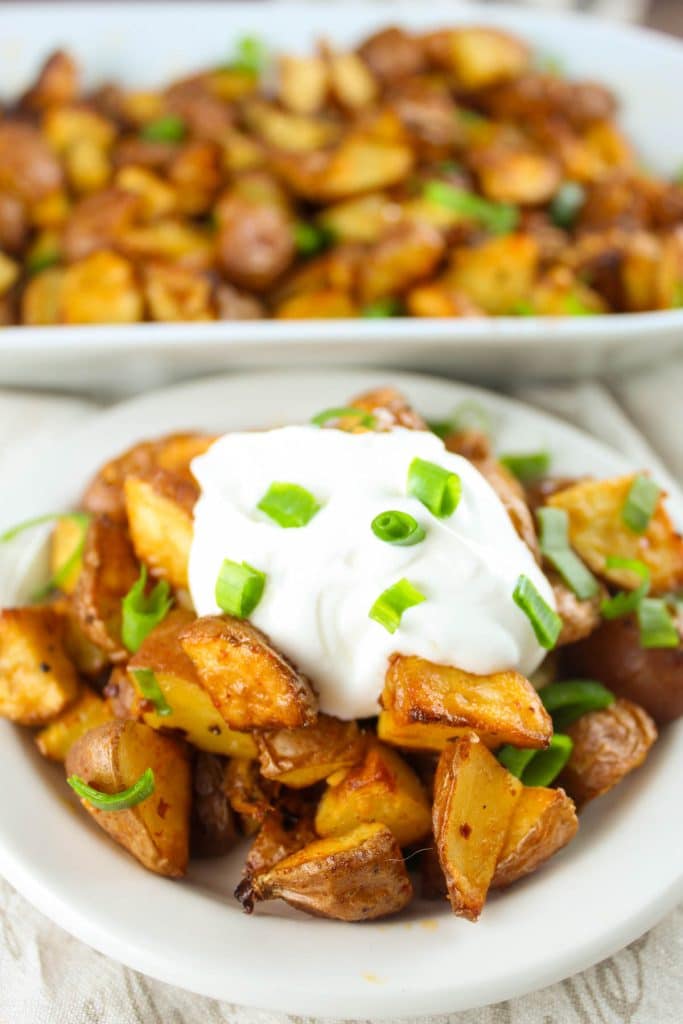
(620, 875)
(149, 43)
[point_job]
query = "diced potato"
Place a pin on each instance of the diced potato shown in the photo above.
(421, 735)
(608, 744)
(251, 796)
(284, 831)
(37, 679)
(56, 739)
(381, 787)
(503, 706)
(579, 618)
(176, 294)
(362, 219)
(57, 83)
(112, 758)
(169, 239)
(65, 541)
(142, 106)
(302, 757)
(356, 165)
(351, 81)
(9, 272)
(109, 571)
(474, 802)
(498, 274)
(90, 660)
(405, 255)
(88, 166)
(390, 408)
(28, 167)
(98, 222)
(159, 507)
(479, 57)
(356, 877)
(559, 291)
(192, 711)
(438, 300)
(596, 531)
(213, 831)
(302, 83)
(251, 684)
(195, 172)
(101, 289)
(393, 53)
(230, 83)
(241, 152)
(543, 821)
(158, 198)
(325, 304)
(65, 126)
(293, 133)
(517, 176)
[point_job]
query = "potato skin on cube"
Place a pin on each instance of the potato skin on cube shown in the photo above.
(251, 684)
(37, 678)
(543, 821)
(381, 787)
(159, 508)
(301, 757)
(284, 830)
(213, 831)
(359, 876)
(474, 801)
(86, 713)
(113, 757)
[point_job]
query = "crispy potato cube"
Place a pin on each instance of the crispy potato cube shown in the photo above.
(109, 571)
(405, 255)
(438, 300)
(543, 821)
(28, 167)
(352, 83)
(159, 507)
(41, 300)
(90, 660)
(88, 166)
(596, 531)
(302, 83)
(176, 294)
(359, 876)
(422, 735)
(324, 304)
(169, 238)
(608, 744)
(56, 739)
(251, 796)
(64, 126)
(357, 165)
(287, 131)
(9, 272)
(283, 831)
(192, 711)
(390, 408)
(504, 706)
(57, 83)
(98, 222)
(213, 831)
(37, 678)
(474, 801)
(157, 197)
(479, 57)
(113, 757)
(251, 684)
(361, 219)
(65, 540)
(195, 173)
(579, 618)
(302, 757)
(381, 787)
(498, 274)
(517, 176)
(101, 289)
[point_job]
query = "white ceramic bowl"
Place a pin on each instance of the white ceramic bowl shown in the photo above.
(146, 44)
(613, 882)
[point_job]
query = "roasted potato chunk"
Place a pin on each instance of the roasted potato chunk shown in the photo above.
(37, 678)
(192, 711)
(301, 757)
(101, 289)
(65, 541)
(596, 530)
(213, 831)
(251, 796)
(579, 618)
(390, 409)
(283, 831)
(359, 876)
(474, 803)
(357, 165)
(543, 821)
(608, 744)
(177, 294)
(302, 83)
(381, 787)
(497, 274)
(159, 507)
(28, 167)
(112, 758)
(57, 83)
(504, 707)
(422, 735)
(405, 255)
(87, 712)
(251, 684)
(478, 57)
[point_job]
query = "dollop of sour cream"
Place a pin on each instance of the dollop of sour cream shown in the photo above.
(323, 578)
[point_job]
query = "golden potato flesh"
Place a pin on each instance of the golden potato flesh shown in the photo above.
(479, 57)
(608, 744)
(87, 712)
(174, 293)
(497, 274)
(192, 711)
(422, 735)
(406, 254)
(381, 787)
(357, 165)
(301, 757)
(101, 289)
(37, 678)
(251, 684)
(543, 821)
(359, 876)
(159, 508)
(596, 531)
(66, 538)
(474, 801)
(503, 707)
(302, 84)
(523, 177)
(112, 758)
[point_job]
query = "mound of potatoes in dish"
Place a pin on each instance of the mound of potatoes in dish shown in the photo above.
(449, 174)
(184, 736)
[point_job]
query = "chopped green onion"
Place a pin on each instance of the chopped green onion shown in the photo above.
(142, 612)
(168, 128)
(468, 415)
(515, 759)
(566, 204)
(547, 764)
(389, 607)
(498, 218)
(573, 306)
(549, 64)
(289, 505)
(523, 308)
(310, 239)
(239, 588)
(250, 56)
(471, 117)
(345, 412)
(42, 260)
(61, 574)
(677, 300)
(546, 623)
(527, 467)
(437, 488)
(382, 308)
(657, 628)
(641, 502)
(397, 528)
(127, 798)
(148, 686)
(448, 167)
(572, 698)
(626, 601)
(554, 540)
